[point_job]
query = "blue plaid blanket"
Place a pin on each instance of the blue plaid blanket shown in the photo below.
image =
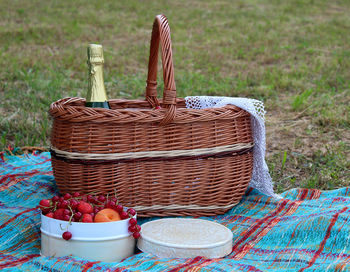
(306, 230)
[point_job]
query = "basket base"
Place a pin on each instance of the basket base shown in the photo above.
(212, 185)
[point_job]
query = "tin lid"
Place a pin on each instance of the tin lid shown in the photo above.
(185, 238)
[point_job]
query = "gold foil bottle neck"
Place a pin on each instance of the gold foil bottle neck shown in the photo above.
(95, 53)
(96, 95)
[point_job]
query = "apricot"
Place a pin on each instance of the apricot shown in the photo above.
(107, 215)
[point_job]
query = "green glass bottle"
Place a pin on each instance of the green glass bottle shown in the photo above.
(96, 95)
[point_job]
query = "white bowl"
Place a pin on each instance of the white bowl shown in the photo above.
(108, 242)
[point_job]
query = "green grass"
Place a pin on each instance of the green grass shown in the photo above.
(293, 55)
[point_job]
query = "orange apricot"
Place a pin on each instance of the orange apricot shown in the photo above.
(107, 215)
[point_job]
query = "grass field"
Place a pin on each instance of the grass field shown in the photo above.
(293, 55)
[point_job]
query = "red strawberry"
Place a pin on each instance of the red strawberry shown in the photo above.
(50, 214)
(45, 203)
(87, 218)
(85, 207)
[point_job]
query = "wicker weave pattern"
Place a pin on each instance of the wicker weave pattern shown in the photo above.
(206, 186)
(211, 182)
(74, 110)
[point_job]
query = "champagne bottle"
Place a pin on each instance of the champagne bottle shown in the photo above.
(96, 95)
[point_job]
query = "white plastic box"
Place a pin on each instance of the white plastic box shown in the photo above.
(108, 242)
(185, 238)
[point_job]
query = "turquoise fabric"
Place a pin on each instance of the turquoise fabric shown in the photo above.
(306, 230)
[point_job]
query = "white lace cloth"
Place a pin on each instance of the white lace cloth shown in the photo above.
(261, 179)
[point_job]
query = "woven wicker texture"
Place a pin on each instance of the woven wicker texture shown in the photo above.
(196, 185)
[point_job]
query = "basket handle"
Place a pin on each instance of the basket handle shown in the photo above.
(161, 32)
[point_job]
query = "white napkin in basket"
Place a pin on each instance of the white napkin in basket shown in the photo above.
(261, 179)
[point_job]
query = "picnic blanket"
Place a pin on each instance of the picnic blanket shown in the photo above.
(306, 230)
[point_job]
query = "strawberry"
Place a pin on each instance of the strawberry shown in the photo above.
(45, 203)
(50, 214)
(85, 207)
(87, 218)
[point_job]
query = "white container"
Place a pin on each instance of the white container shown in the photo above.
(108, 242)
(185, 238)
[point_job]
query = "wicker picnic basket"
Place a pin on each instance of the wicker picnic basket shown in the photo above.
(158, 156)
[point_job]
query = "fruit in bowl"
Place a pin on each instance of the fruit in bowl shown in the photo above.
(107, 215)
(83, 208)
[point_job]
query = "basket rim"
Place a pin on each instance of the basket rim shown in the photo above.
(72, 109)
(67, 102)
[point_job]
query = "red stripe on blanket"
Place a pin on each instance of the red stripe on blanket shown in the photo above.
(16, 216)
(39, 163)
(18, 261)
(203, 264)
(88, 265)
(304, 194)
(13, 176)
(250, 231)
(187, 264)
(328, 233)
(12, 179)
(340, 266)
(245, 248)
